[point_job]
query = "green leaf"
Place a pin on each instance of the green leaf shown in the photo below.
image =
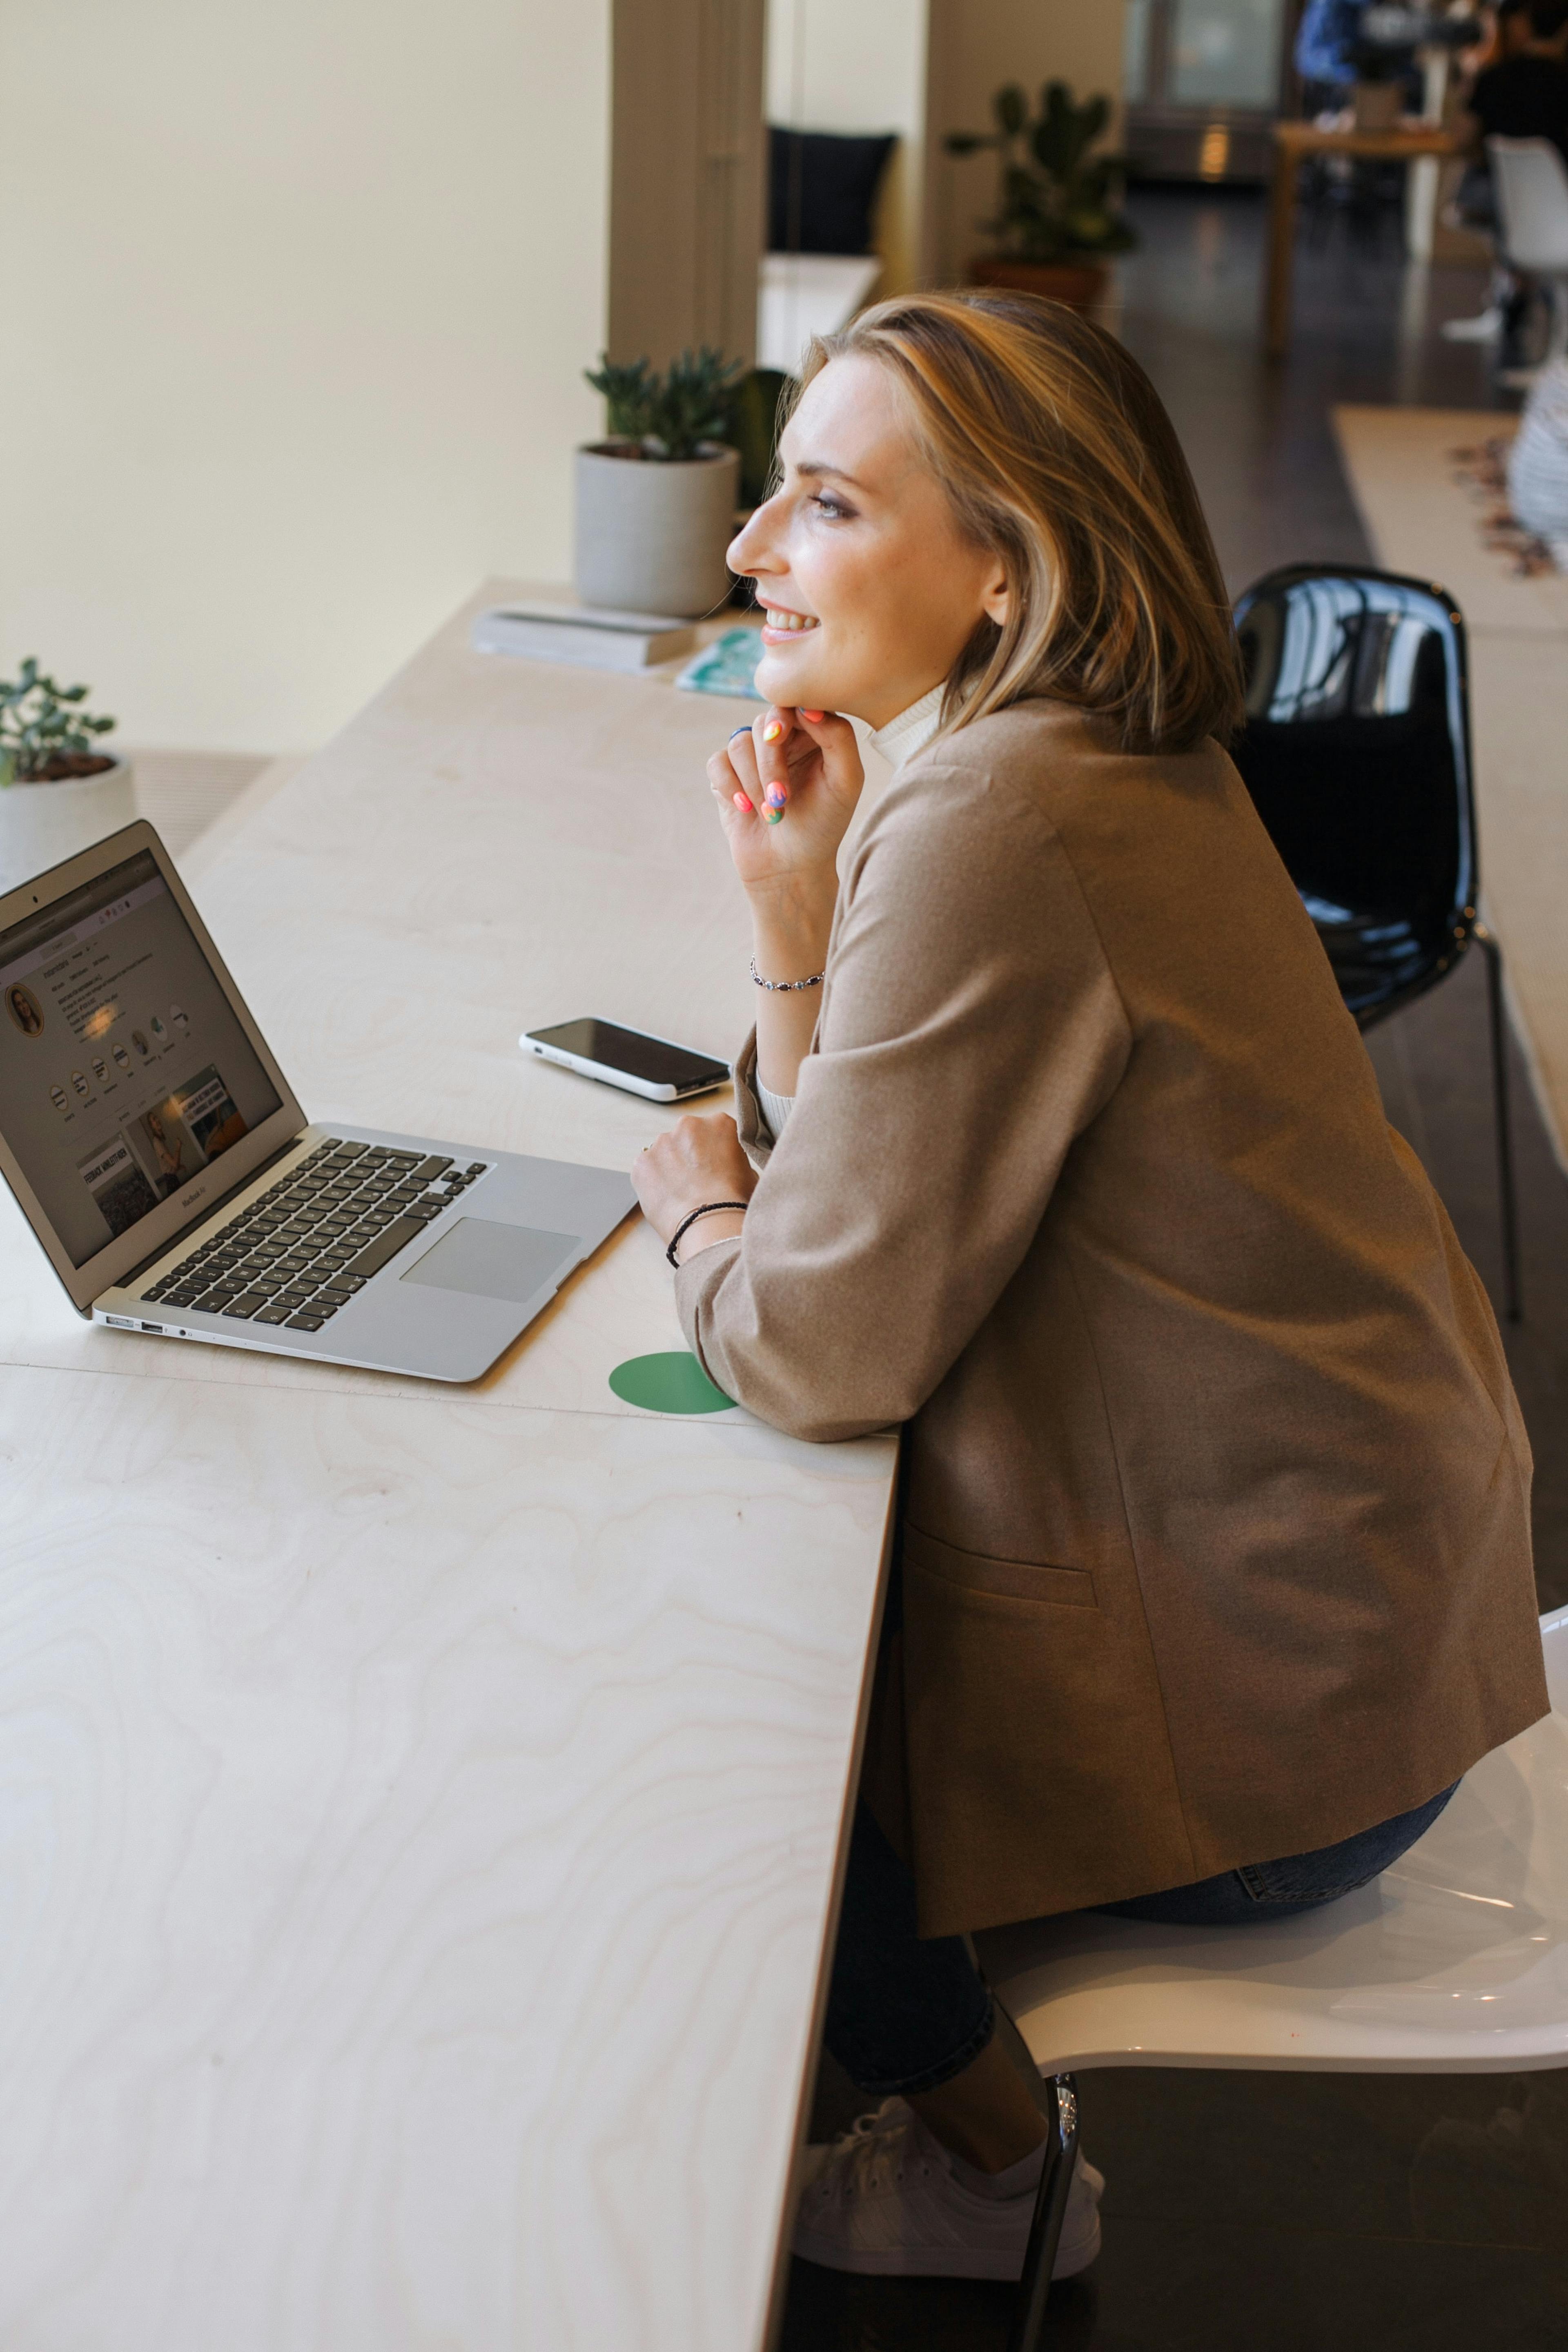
(1011, 108)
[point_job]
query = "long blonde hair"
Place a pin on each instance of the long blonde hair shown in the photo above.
(1057, 454)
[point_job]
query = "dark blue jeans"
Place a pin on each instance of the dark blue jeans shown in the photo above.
(905, 2015)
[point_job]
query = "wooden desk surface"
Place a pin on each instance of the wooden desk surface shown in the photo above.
(421, 1805)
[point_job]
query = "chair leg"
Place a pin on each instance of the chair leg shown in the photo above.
(1557, 343)
(1028, 2331)
(1508, 1202)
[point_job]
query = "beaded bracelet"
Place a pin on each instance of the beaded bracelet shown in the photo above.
(785, 987)
(707, 1210)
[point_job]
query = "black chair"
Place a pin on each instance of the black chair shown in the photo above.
(1356, 752)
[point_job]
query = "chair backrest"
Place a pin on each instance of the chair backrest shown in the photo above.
(1531, 185)
(1356, 753)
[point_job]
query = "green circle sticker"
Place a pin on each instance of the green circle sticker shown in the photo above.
(670, 1383)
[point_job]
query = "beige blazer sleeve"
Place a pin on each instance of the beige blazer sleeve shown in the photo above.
(970, 1029)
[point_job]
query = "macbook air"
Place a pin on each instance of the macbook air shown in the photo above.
(159, 1154)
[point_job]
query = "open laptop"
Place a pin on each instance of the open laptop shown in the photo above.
(159, 1156)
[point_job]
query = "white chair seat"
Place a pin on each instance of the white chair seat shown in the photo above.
(1455, 1960)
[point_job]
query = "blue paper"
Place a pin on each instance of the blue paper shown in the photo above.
(727, 666)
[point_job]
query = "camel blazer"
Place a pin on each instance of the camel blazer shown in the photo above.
(1215, 1521)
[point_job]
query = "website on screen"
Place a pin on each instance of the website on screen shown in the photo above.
(124, 1070)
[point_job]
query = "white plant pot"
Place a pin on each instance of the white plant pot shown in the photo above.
(651, 536)
(41, 825)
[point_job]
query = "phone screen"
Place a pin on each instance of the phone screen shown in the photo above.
(626, 1049)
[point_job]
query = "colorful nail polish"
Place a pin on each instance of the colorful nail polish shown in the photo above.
(777, 796)
(815, 717)
(774, 816)
(772, 731)
(742, 802)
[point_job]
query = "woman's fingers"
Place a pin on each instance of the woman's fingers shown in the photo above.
(770, 734)
(733, 772)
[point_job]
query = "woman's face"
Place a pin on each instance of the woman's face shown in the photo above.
(872, 591)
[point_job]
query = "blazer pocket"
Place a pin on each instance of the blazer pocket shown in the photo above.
(1009, 1579)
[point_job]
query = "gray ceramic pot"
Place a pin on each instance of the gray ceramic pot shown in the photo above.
(650, 536)
(42, 825)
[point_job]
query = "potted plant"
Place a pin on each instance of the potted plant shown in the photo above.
(59, 791)
(1058, 204)
(656, 498)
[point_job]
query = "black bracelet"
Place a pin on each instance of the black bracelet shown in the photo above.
(706, 1210)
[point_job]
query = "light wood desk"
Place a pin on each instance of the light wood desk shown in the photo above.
(1294, 141)
(421, 1806)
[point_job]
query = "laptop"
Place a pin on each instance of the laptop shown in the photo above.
(158, 1152)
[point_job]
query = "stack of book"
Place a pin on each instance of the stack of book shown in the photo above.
(594, 637)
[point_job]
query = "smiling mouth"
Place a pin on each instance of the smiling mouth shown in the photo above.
(788, 623)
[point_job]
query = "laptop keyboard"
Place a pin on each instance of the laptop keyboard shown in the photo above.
(303, 1250)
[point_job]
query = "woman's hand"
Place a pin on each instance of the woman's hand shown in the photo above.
(787, 789)
(698, 1159)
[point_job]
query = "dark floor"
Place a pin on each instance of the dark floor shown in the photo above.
(1248, 2212)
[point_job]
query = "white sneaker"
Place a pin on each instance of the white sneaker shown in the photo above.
(1484, 328)
(887, 2199)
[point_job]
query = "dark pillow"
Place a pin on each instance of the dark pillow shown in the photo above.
(821, 190)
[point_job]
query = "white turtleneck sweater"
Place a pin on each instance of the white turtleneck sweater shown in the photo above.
(899, 741)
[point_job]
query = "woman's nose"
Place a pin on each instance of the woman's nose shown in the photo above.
(749, 549)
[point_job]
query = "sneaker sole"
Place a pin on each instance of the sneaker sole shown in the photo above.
(1073, 2255)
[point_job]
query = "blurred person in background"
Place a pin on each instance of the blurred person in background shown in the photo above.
(1521, 93)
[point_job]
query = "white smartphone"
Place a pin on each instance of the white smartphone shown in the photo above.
(652, 1066)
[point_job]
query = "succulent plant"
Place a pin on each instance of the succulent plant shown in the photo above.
(44, 731)
(669, 417)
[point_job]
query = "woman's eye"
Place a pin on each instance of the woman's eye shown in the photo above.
(834, 509)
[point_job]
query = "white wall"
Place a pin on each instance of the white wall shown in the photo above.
(296, 296)
(977, 45)
(859, 65)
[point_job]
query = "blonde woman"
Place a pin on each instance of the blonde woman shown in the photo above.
(1057, 1146)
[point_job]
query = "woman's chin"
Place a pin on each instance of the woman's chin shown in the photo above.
(789, 679)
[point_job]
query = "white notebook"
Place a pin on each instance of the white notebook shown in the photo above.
(592, 636)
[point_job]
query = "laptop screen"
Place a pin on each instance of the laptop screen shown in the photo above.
(123, 1069)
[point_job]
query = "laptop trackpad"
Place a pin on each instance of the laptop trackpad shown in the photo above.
(492, 1261)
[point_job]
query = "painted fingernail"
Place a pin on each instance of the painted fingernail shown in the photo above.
(776, 796)
(774, 816)
(742, 802)
(772, 731)
(815, 717)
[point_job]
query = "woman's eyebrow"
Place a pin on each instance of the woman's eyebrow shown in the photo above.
(818, 468)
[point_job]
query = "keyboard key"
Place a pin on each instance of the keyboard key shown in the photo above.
(244, 1309)
(475, 1167)
(306, 1322)
(333, 1294)
(274, 1314)
(386, 1245)
(427, 1169)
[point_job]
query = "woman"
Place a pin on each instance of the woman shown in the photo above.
(1214, 1535)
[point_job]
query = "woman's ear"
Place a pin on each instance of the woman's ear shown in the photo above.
(995, 598)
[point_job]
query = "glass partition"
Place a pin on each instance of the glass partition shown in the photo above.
(1226, 52)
